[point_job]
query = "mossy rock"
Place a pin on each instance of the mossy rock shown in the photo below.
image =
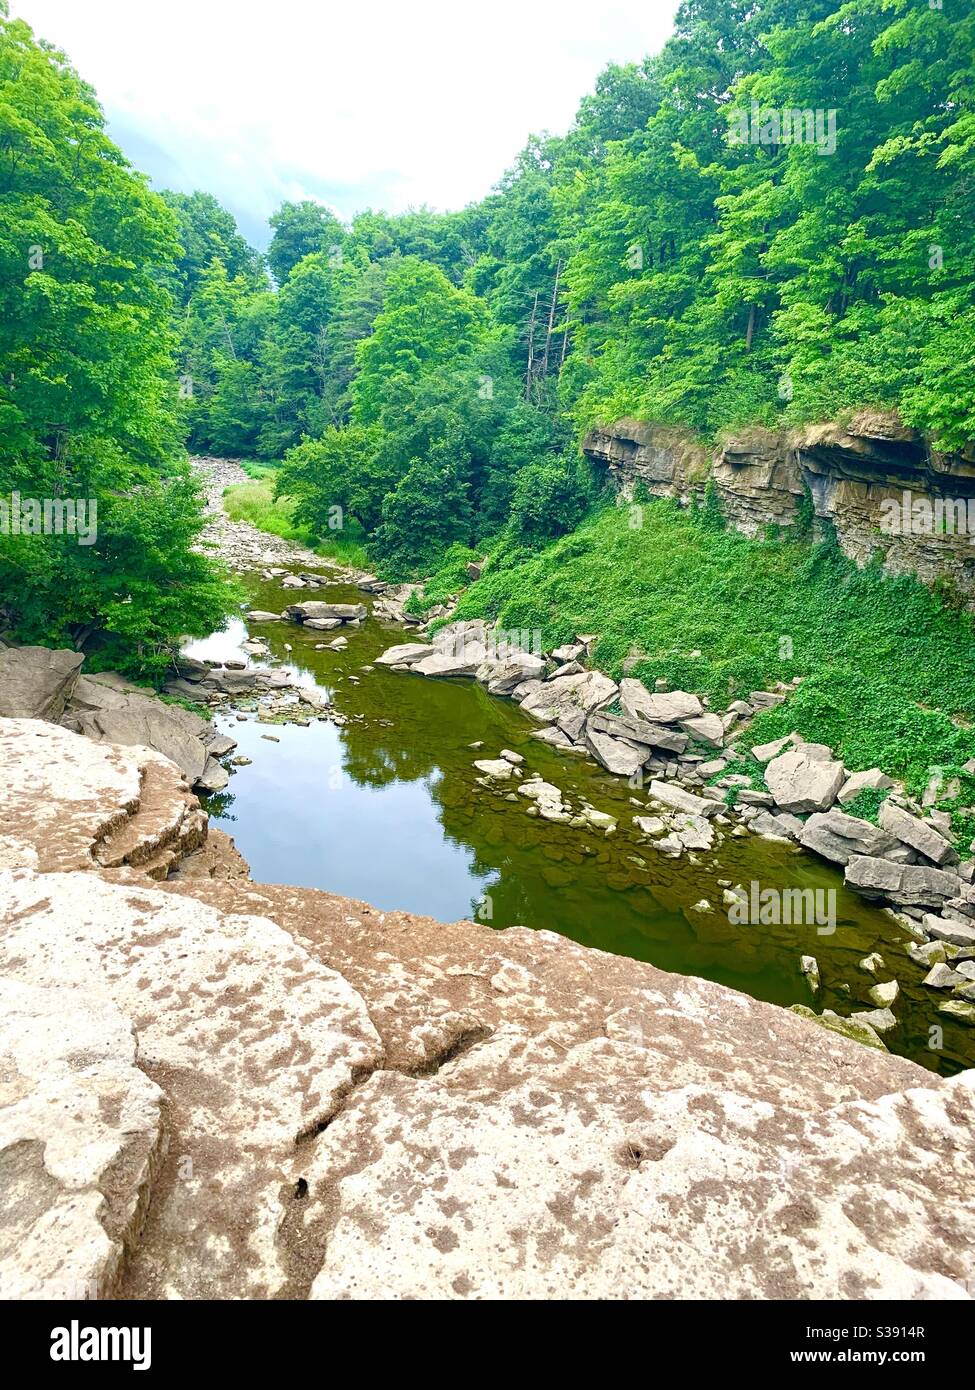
(846, 1027)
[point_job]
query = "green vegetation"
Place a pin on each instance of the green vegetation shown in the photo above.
(256, 502)
(647, 263)
(423, 379)
(886, 667)
(88, 381)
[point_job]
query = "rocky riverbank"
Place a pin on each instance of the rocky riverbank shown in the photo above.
(259, 1091)
(686, 762)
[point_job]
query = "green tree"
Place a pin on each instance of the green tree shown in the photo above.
(88, 379)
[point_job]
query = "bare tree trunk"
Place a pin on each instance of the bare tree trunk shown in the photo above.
(750, 332)
(565, 342)
(551, 316)
(531, 348)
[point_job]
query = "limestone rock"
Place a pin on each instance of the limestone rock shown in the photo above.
(909, 885)
(805, 779)
(406, 654)
(81, 1141)
(253, 1042)
(109, 709)
(665, 707)
(838, 837)
(641, 731)
(870, 780)
(314, 608)
(583, 693)
(913, 831)
(624, 759)
(69, 803)
(706, 727)
(36, 682)
(680, 800)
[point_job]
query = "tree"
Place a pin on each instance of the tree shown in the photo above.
(300, 230)
(88, 379)
(208, 232)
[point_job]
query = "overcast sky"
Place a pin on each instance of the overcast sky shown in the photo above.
(366, 103)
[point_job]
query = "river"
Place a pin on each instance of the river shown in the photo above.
(385, 807)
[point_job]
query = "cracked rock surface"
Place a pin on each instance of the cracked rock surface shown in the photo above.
(330, 1101)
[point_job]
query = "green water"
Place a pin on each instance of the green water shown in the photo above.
(386, 808)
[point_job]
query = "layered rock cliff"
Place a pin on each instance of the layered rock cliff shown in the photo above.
(215, 1088)
(857, 474)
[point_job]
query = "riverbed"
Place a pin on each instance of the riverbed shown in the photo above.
(385, 807)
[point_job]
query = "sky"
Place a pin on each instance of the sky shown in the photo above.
(364, 103)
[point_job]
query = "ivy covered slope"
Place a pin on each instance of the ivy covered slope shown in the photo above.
(889, 679)
(88, 381)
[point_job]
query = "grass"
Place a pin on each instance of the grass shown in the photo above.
(889, 677)
(255, 502)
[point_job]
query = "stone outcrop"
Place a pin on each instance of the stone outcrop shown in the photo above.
(260, 1091)
(69, 803)
(109, 709)
(36, 682)
(853, 472)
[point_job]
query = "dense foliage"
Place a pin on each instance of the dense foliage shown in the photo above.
(647, 263)
(88, 380)
(693, 250)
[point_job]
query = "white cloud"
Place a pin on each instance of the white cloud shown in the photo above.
(380, 102)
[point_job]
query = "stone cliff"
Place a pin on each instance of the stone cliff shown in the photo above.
(217, 1088)
(854, 473)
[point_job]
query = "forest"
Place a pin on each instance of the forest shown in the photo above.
(685, 253)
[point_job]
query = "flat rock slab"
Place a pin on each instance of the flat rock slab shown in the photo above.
(69, 803)
(253, 1042)
(495, 1180)
(553, 1121)
(81, 1139)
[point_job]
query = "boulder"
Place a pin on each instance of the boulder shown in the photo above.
(908, 885)
(570, 651)
(36, 682)
(943, 929)
(839, 837)
(624, 759)
(677, 799)
(706, 727)
(805, 779)
(258, 615)
(322, 624)
(664, 707)
(108, 709)
(764, 752)
(640, 731)
(498, 769)
(501, 675)
(315, 608)
(406, 654)
(583, 693)
(785, 827)
(693, 831)
(870, 780)
(913, 831)
(941, 976)
(448, 664)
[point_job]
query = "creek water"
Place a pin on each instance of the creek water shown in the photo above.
(385, 807)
